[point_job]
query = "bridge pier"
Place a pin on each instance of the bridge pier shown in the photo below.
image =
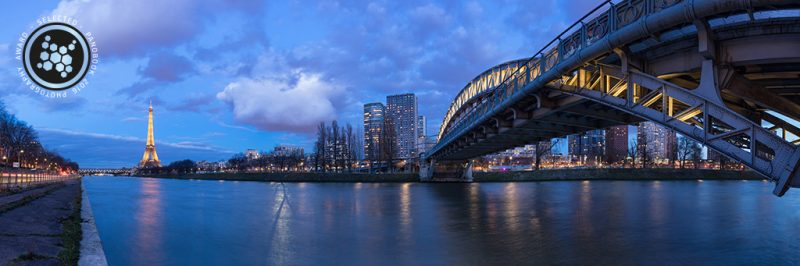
(446, 171)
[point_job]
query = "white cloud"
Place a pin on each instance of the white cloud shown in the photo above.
(296, 102)
(132, 119)
(127, 27)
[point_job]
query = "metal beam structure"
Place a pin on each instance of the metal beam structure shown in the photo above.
(712, 70)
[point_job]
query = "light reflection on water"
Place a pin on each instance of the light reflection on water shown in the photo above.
(149, 218)
(177, 222)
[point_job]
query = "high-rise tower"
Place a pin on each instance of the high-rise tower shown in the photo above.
(401, 113)
(373, 130)
(150, 158)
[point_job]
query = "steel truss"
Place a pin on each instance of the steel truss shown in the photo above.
(691, 114)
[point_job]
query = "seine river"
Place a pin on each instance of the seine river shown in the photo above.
(145, 221)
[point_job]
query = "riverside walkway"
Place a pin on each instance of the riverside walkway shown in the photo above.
(37, 226)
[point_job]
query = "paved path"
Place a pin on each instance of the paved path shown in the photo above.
(34, 227)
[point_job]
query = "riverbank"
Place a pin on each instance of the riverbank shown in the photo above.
(527, 176)
(41, 226)
(616, 174)
(297, 177)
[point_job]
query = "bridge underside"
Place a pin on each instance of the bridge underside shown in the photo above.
(567, 114)
(735, 88)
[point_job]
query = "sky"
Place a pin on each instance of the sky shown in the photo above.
(226, 76)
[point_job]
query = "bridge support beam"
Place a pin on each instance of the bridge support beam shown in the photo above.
(446, 171)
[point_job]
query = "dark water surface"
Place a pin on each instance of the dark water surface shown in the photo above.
(144, 221)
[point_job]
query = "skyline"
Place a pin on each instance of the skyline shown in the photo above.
(212, 71)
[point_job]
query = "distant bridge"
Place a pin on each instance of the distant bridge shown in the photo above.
(717, 71)
(109, 171)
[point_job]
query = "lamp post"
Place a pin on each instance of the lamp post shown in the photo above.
(20, 157)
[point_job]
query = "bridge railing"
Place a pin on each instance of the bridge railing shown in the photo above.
(590, 28)
(11, 178)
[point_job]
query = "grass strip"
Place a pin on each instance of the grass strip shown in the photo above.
(71, 235)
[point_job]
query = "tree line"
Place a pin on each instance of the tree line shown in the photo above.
(19, 143)
(337, 148)
(294, 161)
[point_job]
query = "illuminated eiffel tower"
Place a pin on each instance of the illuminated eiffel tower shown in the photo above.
(150, 158)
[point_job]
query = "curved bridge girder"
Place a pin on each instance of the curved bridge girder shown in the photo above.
(693, 115)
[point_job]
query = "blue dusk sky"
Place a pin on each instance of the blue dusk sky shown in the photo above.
(225, 76)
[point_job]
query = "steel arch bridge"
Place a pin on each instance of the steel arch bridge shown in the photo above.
(723, 72)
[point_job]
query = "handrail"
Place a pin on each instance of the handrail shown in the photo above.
(11, 178)
(528, 61)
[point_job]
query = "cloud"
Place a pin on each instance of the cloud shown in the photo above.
(293, 103)
(62, 104)
(187, 145)
(127, 28)
(161, 70)
(132, 119)
(139, 87)
(86, 134)
(223, 124)
(124, 28)
(193, 103)
(167, 67)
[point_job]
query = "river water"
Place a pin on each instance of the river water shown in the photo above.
(145, 221)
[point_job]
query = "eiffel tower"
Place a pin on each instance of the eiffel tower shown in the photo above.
(150, 158)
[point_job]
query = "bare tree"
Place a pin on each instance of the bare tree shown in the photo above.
(672, 147)
(319, 148)
(553, 148)
(19, 142)
(696, 155)
(350, 140)
(358, 142)
(685, 150)
(645, 151)
(388, 144)
(335, 145)
(633, 152)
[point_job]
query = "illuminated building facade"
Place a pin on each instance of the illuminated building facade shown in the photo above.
(587, 148)
(401, 110)
(616, 144)
(658, 142)
(373, 127)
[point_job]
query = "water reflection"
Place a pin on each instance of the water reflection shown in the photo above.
(512, 211)
(177, 222)
(149, 221)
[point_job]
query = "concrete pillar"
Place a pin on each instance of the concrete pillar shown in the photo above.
(446, 171)
(426, 170)
(468, 171)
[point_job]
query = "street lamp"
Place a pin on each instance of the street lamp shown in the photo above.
(20, 157)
